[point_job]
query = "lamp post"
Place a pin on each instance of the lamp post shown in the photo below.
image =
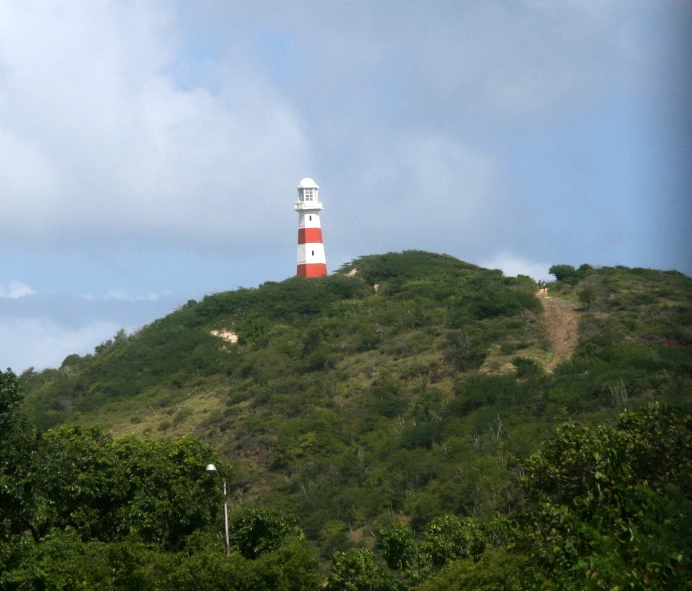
(212, 468)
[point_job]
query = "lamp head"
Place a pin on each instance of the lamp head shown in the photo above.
(211, 468)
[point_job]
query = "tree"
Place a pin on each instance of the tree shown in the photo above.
(256, 531)
(63, 561)
(290, 567)
(386, 396)
(497, 570)
(450, 537)
(356, 570)
(10, 399)
(563, 272)
(396, 544)
(113, 489)
(613, 506)
(18, 441)
(587, 296)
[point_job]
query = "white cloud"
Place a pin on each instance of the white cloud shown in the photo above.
(41, 343)
(152, 296)
(513, 265)
(99, 142)
(429, 191)
(117, 294)
(123, 296)
(16, 290)
(42, 330)
(159, 123)
(493, 59)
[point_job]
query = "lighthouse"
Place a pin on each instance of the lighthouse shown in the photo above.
(311, 259)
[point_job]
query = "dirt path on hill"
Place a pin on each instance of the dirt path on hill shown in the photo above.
(561, 325)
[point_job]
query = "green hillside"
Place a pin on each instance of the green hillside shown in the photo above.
(403, 388)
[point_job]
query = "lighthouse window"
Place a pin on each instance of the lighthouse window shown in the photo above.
(308, 194)
(313, 253)
(310, 217)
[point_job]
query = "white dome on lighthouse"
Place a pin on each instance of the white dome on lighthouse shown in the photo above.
(308, 184)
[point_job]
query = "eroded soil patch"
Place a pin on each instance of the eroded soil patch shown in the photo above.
(561, 323)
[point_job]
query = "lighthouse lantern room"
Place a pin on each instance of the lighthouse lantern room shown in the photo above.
(311, 258)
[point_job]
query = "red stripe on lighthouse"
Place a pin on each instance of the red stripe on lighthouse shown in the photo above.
(312, 270)
(311, 260)
(309, 235)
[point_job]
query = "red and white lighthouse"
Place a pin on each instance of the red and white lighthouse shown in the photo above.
(311, 259)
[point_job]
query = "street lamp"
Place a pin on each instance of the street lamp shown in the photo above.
(212, 468)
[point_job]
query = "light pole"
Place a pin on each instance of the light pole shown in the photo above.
(212, 468)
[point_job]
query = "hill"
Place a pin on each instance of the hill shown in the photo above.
(403, 387)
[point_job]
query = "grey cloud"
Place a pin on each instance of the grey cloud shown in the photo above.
(443, 190)
(16, 290)
(398, 109)
(41, 330)
(513, 265)
(41, 343)
(496, 58)
(76, 311)
(98, 142)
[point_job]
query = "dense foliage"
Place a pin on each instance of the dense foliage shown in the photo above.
(82, 510)
(381, 422)
(606, 508)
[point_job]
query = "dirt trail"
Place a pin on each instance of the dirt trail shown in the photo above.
(561, 325)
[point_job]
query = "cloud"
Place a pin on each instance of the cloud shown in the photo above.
(416, 126)
(41, 343)
(486, 59)
(166, 126)
(153, 297)
(445, 191)
(42, 330)
(100, 143)
(103, 139)
(513, 265)
(16, 290)
(121, 295)
(117, 294)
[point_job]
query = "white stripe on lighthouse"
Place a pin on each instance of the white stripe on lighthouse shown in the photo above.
(309, 219)
(311, 253)
(312, 261)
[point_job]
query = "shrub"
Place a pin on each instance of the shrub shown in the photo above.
(509, 348)
(587, 296)
(386, 396)
(526, 367)
(450, 538)
(256, 531)
(356, 570)
(563, 272)
(397, 546)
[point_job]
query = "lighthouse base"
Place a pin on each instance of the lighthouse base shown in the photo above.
(312, 270)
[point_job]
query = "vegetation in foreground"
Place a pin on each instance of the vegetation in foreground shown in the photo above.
(395, 424)
(605, 508)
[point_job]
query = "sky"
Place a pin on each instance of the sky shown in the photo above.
(151, 149)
